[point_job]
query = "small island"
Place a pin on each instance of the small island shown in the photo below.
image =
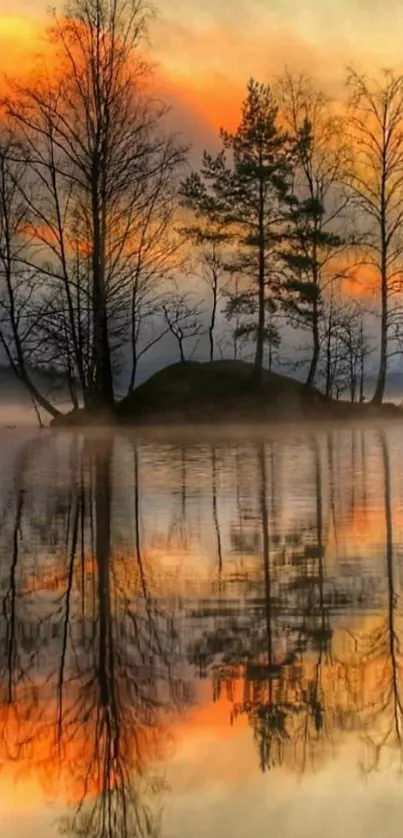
(224, 392)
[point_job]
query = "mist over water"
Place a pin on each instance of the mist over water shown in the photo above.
(200, 634)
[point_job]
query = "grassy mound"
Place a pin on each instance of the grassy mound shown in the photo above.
(223, 392)
(220, 391)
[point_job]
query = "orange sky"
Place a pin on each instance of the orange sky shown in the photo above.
(207, 51)
(20, 38)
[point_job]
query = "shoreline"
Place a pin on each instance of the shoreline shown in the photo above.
(346, 414)
(222, 393)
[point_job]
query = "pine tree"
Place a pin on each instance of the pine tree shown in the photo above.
(319, 220)
(245, 190)
(308, 241)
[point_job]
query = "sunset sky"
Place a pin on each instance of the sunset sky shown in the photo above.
(206, 50)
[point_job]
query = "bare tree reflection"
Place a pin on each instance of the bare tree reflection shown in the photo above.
(18, 633)
(98, 652)
(125, 686)
(101, 687)
(382, 653)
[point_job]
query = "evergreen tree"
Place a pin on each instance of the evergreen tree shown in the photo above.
(245, 190)
(319, 214)
(309, 243)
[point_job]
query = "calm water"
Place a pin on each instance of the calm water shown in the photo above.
(202, 639)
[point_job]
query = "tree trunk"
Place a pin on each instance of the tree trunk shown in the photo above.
(258, 366)
(212, 321)
(71, 318)
(362, 375)
(316, 346)
(315, 308)
(328, 388)
(132, 374)
(103, 396)
(34, 392)
(381, 381)
(133, 340)
(353, 375)
(20, 372)
(383, 359)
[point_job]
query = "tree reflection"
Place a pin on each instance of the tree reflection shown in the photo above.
(264, 698)
(276, 658)
(381, 652)
(100, 649)
(126, 686)
(284, 703)
(316, 709)
(102, 690)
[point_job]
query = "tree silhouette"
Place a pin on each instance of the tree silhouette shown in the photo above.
(243, 191)
(374, 178)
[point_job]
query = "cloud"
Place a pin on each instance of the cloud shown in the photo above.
(205, 70)
(24, 8)
(236, 52)
(208, 51)
(352, 23)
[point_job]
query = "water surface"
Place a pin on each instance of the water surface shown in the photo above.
(201, 638)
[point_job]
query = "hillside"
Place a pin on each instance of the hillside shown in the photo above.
(223, 391)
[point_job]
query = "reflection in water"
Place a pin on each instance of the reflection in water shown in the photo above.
(381, 649)
(139, 582)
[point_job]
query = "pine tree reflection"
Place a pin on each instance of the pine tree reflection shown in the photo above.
(284, 704)
(277, 647)
(265, 700)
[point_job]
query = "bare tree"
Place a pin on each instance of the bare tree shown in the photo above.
(375, 178)
(346, 348)
(356, 350)
(211, 268)
(157, 255)
(182, 316)
(22, 305)
(210, 242)
(101, 165)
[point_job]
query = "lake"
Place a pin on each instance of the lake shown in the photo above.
(200, 636)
